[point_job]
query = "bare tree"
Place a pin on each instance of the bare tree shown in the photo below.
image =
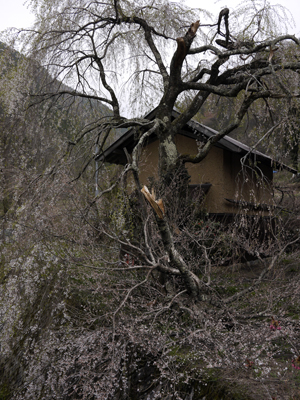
(178, 307)
(121, 53)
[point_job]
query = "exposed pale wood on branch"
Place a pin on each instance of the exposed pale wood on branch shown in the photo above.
(184, 44)
(157, 205)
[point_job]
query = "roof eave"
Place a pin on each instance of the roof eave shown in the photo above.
(115, 154)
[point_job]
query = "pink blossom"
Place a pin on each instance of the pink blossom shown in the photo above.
(274, 328)
(275, 325)
(296, 363)
(295, 366)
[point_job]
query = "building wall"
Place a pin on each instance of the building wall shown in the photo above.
(246, 183)
(210, 170)
(222, 169)
(149, 163)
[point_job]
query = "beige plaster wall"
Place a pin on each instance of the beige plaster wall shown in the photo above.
(210, 170)
(221, 168)
(149, 163)
(246, 183)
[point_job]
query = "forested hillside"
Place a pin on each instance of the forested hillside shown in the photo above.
(108, 294)
(35, 134)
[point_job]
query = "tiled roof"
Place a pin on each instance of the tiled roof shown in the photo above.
(115, 153)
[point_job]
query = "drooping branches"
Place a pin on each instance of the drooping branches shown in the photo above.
(148, 36)
(103, 45)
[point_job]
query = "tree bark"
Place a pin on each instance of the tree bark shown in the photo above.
(191, 281)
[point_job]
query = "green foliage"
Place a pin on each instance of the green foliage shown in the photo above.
(5, 393)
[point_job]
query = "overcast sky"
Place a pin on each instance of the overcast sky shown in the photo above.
(14, 13)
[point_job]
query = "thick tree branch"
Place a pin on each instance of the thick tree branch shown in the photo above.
(243, 48)
(139, 146)
(192, 282)
(189, 113)
(183, 46)
(257, 68)
(114, 99)
(231, 82)
(47, 96)
(148, 36)
(203, 49)
(202, 152)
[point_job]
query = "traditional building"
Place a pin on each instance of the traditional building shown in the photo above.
(232, 176)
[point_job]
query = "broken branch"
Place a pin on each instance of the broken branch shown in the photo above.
(157, 205)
